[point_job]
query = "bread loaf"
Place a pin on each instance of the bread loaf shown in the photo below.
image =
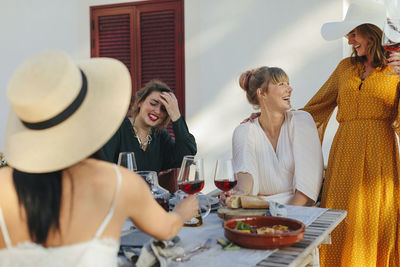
(246, 202)
(233, 202)
(253, 202)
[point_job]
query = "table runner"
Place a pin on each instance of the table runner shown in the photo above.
(212, 228)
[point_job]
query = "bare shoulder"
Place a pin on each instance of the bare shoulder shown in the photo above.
(5, 178)
(98, 179)
(132, 185)
(103, 172)
(5, 171)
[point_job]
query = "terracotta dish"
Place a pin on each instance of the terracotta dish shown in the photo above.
(265, 241)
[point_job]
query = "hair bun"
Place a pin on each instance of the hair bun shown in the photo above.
(244, 80)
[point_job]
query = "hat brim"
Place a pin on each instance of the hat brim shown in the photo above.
(83, 133)
(335, 30)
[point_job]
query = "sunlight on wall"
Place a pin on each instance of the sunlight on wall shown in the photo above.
(244, 37)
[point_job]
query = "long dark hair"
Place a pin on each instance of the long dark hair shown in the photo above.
(40, 195)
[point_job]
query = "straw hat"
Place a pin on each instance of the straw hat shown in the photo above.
(359, 12)
(62, 111)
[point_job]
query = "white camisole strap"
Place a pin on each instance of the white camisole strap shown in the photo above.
(111, 212)
(4, 230)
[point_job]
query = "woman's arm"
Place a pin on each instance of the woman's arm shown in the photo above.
(394, 61)
(300, 199)
(244, 159)
(184, 143)
(307, 156)
(147, 214)
(244, 184)
(243, 187)
(323, 103)
(174, 150)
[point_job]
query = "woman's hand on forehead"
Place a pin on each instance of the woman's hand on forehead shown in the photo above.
(171, 105)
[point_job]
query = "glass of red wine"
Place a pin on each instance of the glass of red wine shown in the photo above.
(391, 36)
(191, 181)
(224, 176)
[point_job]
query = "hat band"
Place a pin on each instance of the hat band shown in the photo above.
(65, 114)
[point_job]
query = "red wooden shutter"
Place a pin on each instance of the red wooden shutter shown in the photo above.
(157, 30)
(145, 35)
(112, 36)
(161, 47)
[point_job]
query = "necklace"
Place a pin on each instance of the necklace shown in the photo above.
(142, 144)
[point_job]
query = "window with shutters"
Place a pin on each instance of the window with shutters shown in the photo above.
(147, 36)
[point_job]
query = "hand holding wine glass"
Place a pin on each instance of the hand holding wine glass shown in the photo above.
(391, 43)
(191, 181)
(225, 179)
(191, 175)
(187, 208)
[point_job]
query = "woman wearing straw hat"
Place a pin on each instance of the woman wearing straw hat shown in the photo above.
(59, 206)
(362, 174)
(144, 131)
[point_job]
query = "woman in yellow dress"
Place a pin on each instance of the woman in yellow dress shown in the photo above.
(362, 176)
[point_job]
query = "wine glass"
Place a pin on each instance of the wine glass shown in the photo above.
(391, 36)
(191, 181)
(160, 194)
(127, 160)
(224, 176)
(191, 175)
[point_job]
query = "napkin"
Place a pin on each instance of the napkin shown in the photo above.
(277, 209)
(159, 253)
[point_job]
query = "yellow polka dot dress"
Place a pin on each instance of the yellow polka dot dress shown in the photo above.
(362, 173)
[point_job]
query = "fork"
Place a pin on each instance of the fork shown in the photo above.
(193, 252)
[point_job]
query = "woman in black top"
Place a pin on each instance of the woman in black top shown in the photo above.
(143, 133)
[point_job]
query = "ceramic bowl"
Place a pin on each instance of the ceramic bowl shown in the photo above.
(265, 241)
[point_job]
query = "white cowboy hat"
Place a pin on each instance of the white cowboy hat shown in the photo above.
(62, 111)
(359, 12)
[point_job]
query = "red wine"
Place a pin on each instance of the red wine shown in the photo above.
(392, 47)
(191, 187)
(225, 185)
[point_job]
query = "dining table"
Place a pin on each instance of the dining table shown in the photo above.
(320, 222)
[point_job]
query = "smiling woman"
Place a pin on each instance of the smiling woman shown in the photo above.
(143, 133)
(362, 173)
(280, 153)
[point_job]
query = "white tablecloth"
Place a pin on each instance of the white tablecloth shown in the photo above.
(212, 228)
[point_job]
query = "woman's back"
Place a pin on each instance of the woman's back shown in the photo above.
(90, 191)
(59, 208)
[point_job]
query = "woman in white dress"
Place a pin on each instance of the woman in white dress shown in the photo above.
(280, 153)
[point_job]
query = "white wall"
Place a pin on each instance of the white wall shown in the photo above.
(226, 37)
(222, 39)
(27, 27)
